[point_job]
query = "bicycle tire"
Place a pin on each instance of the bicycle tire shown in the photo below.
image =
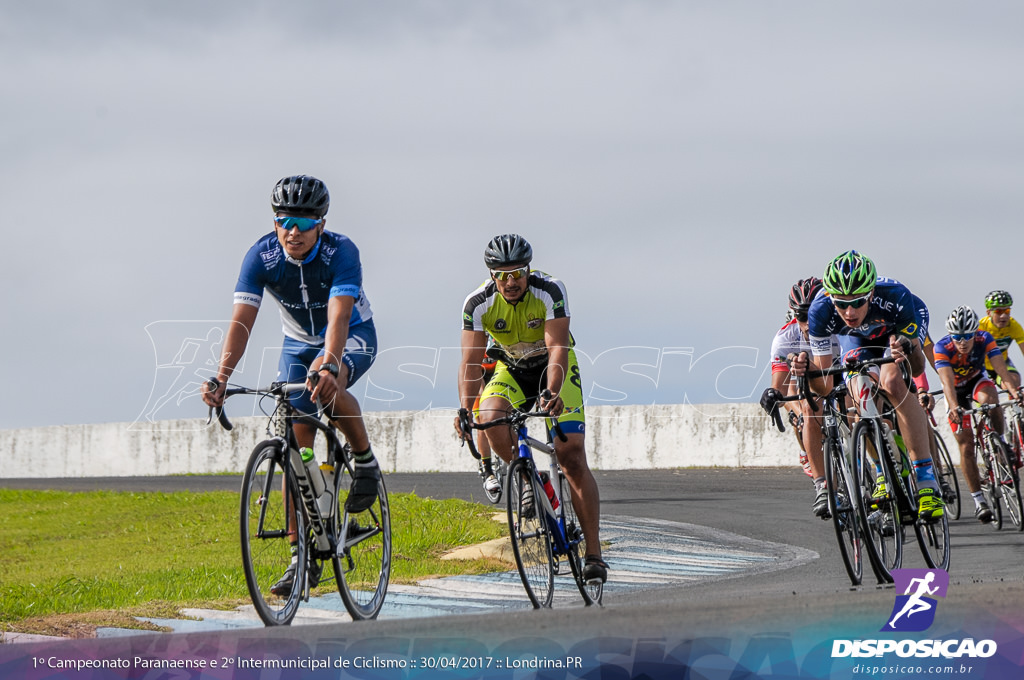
(1009, 481)
(883, 526)
(362, 570)
(948, 475)
(842, 505)
(592, 592)
(531, 539)
(932, 537)
(991, 491)
(265, 527)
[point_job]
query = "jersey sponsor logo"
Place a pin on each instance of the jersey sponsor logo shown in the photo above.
(248, 299)
(500, 325)
(271, 257)
(887, 305)
(534, 323)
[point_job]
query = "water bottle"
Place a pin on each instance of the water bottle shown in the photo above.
(316, 478)
(549, 490)
(326, 501)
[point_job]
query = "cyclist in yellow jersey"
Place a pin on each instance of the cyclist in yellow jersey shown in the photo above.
(1004, 328)
(526, 314)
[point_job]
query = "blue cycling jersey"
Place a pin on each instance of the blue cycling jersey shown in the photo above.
(893, 310)
(302, 288)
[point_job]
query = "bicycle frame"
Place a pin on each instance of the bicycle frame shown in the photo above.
(555, 518)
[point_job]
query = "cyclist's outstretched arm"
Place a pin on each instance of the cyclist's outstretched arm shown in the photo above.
(556, 338)
(242, 319)
(999, 364)
(470, 379)
(339, 313)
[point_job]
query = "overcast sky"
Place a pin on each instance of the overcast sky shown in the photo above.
(678, 164)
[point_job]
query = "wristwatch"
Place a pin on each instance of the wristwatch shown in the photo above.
(332, 368)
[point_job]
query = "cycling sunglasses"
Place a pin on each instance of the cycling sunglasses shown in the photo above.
(961, 336)
(855, 303)
(1001, 310)
(303, 223)
(501, 275)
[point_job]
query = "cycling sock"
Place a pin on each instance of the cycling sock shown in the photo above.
(979, 498)
(486, 462)
(295, 553)
(819, 483)
(364, 458)
(924, 471)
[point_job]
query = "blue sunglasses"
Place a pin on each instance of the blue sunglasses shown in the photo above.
(961, 336)
(303, 223)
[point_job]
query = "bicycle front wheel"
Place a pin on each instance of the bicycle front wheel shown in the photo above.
(1009, 482)
(527, 527)
(270, 531)
(592, 591)
(882, 522)
(362, 565)
(948, 476)
(989, 488)
(842, 495)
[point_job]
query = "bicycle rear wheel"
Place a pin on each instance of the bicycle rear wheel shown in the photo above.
(363, 567)
(1006, 476)
(882, 521)
(531, 541)
(592, 591)
(948, 475)
(842, 504)
(268, 530)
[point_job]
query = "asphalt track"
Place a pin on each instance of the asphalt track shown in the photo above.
(986, 574)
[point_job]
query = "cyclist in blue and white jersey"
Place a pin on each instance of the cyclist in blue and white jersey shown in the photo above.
(316, 278)
(875, 316)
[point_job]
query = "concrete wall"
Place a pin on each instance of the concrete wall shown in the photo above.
(618, 437)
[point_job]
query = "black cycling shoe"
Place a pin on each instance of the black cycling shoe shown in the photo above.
(283, 587)
(594, 568)
(363, 491)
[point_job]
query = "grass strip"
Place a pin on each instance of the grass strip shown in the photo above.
(117, 554)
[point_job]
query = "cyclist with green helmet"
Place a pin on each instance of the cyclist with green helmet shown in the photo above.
(874, 316)
(1004, 329)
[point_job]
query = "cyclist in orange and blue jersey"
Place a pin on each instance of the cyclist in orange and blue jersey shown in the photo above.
(1003, 328)
(960, 362)
(873, 317)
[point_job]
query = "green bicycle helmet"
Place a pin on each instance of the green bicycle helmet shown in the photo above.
(850, 274)
(998, 299)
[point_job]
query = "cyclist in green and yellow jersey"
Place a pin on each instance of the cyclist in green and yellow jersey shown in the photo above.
(526, 314)
(1004, 328)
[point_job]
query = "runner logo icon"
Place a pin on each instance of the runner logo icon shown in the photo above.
(914, 610)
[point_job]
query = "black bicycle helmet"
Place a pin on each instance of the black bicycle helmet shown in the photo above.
(301, 194)
(998, 299)
(802, 293)
(962, 320)
(506, 250)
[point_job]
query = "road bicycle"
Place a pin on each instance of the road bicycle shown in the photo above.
(545, 532)
(1015, 429)
(283, 519)
(945, 471)
(875, 445)
(840, 479)
(1000, 480)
